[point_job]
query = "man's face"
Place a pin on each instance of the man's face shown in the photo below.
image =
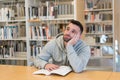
(70, 31)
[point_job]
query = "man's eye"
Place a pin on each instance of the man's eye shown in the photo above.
(73, 31)
(67, 29)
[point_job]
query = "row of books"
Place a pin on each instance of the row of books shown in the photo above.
(98, 16)
(98, 4)
(9, 49)
(14, 62)
(35, 50)
(101, 51)
(51, 10)
(8, 32)
(20, 8)
(65, 9)
(6, 52)
(96, 52)
(103, 39)
(6, 14)
(35, 47)
(21, 30)
(99, 28)
(11, 53)
(12, 31)
(19, 46)
(12, 12)
(45, 31)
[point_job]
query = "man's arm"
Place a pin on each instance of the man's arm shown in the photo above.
(44, 56)
(78, 59)
(42, 60)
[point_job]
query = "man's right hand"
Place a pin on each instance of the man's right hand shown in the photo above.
(51, 67)
(74, 40)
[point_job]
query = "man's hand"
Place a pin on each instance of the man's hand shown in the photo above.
(74, 39)
(51, 67)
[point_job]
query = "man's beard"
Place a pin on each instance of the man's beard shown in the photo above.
(65, 38)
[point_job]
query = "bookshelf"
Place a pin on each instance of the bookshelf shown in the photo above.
(45, 19)
(12, 32)
(117, 35)
(22, 21)
(98, 15)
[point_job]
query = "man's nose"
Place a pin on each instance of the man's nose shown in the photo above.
(68, 32)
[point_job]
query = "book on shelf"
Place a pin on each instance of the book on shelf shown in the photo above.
(46, 31)
(20, 10)
(35, 50)
(98, 4)
(12, 11)
(89, 4)
(21, 31)
(33, 12)
(107, 50)
(65, 9)
(35, 47)
(99, 28)
(9, 49)
(62, 70)
(12, 31)
(90, 40)
(43, 12)
(96, 52)
(98, 16)
(6, 14)
(51, 9)
(1, 33)
(108, 28)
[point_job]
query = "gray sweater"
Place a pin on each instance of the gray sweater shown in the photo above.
(76, 56)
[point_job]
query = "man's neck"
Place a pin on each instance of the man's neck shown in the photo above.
(65, 43)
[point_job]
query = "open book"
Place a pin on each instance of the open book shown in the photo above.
(62, 70)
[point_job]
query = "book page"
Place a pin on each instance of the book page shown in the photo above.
(42, 71)
(62, 70)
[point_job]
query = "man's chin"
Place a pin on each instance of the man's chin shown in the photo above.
(66, 40)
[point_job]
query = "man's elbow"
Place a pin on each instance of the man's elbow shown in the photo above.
(78, 70)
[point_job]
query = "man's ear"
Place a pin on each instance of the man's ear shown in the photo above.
(80, 36)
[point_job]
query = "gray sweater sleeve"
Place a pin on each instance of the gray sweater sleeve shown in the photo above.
(78, 58)
(43, 58)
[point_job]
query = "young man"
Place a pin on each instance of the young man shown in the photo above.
(66, 49)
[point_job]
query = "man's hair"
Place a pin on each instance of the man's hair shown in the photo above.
(78, 24)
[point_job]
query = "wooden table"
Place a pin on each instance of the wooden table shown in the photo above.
(9, 72)
(115, 76)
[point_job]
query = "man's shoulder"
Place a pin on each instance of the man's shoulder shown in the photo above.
(59, 35)
(82, 43)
